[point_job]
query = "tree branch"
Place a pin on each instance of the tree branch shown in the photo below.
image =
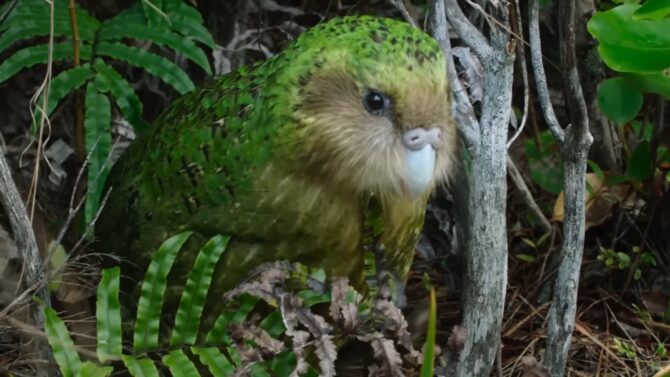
(538, 71)
(461, 106)
(468, 32)
(575, 144)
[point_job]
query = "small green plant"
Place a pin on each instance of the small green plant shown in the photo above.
(624, 348)
(276, 344)
(169, 23)
(623, 261)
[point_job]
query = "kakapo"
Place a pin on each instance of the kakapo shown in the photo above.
(286, 156)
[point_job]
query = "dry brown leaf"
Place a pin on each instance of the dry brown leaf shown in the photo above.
(388, 359)
(656, 302)
(456, 340)
(341, 309)
(599, 201)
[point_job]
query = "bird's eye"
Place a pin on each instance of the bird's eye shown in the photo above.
(375, 102)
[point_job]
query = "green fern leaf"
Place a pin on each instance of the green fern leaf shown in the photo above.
(180, 365)
(140, 367)
(152, 291)
(27, 30)
(108, 316)
(61, 343)
(154, 64)
(39, 54)
(124, 95)
(187, 20)
(273, 324)
(97, 121)
(37, 12)
(217, 363)
(89, 369)
(65, 82)
(153, 11)
(161, 37)
(218, 333)
(187, 320)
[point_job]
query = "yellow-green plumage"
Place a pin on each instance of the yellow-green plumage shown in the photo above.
(285, 157)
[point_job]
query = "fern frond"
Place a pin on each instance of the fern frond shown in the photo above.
(124, 95)
(39, 54)
(36, 13)
(154, 64)
(218, 333)
(61, 343)
(108, 316)
(217, 363)
(162, 37)
(153, 11)
(140, 367)
(187, 20)
(67, 81)
(187, 321)
(180, 365)
(97, 121)
(152, 293)
(89, 369)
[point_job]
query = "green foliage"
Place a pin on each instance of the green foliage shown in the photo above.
(429, 348)
(634, 41)
(167, 23)
(241, 337)
(618, 101)
(636, 260)
(545, 166)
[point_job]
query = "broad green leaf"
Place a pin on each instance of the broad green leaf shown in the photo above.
(596, 170)
(259, 370)
(140, 367)
(218, 333)
(161, 37)
(152, 291)
(217, 363)
(629, 45)
(108, 316)
(124, 95)
(658, 82)
(180, 365)
(89, 369)
(65, 82)
(618, 101)
(98, 140)
(653, 10)
(640, 165)
(39, 54)
(429, 346)
(29, 29)
(283, 364)
(154, 64)
(192, 302)
(61, 344)
(187, 20)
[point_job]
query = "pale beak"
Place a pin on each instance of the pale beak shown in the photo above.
(420, 144)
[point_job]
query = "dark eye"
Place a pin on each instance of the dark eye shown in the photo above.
(375, 102)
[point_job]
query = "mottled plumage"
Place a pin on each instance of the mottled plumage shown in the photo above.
(287, 156)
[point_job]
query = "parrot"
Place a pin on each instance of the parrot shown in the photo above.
(289, 156)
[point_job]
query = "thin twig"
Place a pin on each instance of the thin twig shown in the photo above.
(475, 39)
(524, 75)
(461, 106)
(521, 186)
(8, 11)
(400, 6)
(538, 71)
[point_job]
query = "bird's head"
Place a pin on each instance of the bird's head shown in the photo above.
(372, 107)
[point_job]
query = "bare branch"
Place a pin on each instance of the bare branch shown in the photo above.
(461, 106)
(400, 6)
(574, 150)
(468, 32)
(538, 71)
(521, 54)
(520, 184)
